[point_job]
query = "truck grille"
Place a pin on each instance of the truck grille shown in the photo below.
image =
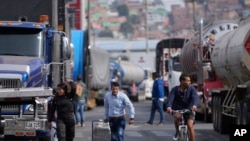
(8, 108)
(10, 83)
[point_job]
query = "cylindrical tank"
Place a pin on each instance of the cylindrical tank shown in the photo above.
(129, 72)
(231, 55)
(189, 57)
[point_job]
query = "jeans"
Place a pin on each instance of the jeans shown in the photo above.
(79, 111)
(65, 129)
(117, 127)
(157, 105)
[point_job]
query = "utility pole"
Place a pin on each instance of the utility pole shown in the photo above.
(146, 24)
(200, 55)
(194, 15)
(56, 72)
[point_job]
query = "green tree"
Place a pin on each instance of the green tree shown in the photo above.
(123, 10)
(127, 29)
(134, 19)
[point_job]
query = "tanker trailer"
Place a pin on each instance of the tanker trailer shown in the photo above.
(195, 61)
(230, 60)
(129, 75)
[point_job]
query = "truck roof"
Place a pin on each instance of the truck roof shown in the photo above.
(12, 10)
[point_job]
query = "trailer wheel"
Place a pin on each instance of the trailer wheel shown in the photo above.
(215, 113)
(219, 115)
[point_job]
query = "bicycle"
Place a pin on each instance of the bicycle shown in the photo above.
(183, 130)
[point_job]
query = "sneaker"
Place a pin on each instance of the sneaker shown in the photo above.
(175, 137)
(78, 125)
(149, 123)
(161, 124)
(82, 125)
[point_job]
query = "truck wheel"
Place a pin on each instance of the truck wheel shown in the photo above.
(215, 113)
(219, 114)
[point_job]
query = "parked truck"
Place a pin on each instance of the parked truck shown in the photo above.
(196, 60)
(230, 59)
(168, 50)
(35, 55)
(92, 63)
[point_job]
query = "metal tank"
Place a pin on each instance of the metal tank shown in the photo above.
(231, 56)
(189, 57)
(131, 72)
(128, 73)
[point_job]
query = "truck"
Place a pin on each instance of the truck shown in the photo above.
(92, 63)
(167, 56)
(174, 71)
(35, 54)
(197, 54)
(230, 60)
(146, 85)
(127, 74)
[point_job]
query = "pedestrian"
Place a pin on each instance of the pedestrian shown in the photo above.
(79, 103)
(182, 97)
(157, 99)
(65, 120)
(115, 103)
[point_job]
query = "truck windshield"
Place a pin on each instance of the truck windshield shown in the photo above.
(21, 42)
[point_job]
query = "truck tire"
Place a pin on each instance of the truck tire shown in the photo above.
(223, 120)
(215, 113)
(219, 115)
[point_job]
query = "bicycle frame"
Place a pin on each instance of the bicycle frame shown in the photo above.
(183, 130)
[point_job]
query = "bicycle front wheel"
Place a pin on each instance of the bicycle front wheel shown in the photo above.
(183, 135)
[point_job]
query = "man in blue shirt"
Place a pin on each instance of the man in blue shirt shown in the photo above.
(115, 103)
(157, 98)
(181, 97)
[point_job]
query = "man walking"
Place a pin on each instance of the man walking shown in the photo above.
(157, 99)
(115, 103)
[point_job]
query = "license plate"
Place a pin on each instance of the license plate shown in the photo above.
(32, 125)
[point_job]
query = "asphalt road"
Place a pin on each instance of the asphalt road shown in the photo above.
(143, 132)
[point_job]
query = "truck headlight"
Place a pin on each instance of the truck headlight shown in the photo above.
(41, 105)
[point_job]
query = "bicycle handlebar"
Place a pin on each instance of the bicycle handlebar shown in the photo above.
(181, 111)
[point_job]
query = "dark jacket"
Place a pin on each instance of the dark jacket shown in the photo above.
(158, 88)
(186, 100)
(64, 107)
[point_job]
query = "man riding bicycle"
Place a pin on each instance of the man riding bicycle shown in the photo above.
(181, 97)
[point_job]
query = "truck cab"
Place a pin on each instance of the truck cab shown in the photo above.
(34, 57)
